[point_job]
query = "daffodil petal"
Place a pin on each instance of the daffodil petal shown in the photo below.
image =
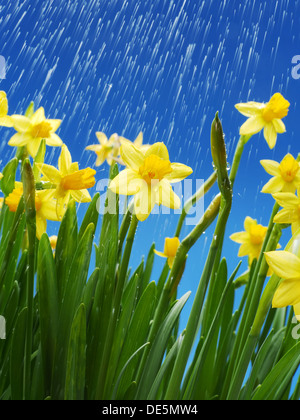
(19, 139)
(144, 201)
(50, 172)
(285, 264)
(139, 140)
(252, 126)
(167, 197)
(295, 226)
(54, 140)
(3, 104)
(102, 138)
(21, 123)
(271, 167)
(179, 172)
(61, 205)
(127, 182)
(55, 124)
(250, 109)
(239, 237)
(274, 185)
(288, 293)
(33, 146)
(6, 121)
(270, 135)
(297, 311)
(244, 250)
(81, 196)
(94, 148)
(159, 149)
(38, 116)
(171, 262)
(278, 125)
(64, 160)
(286, 216)
(248, 223)
(132, 156)
(41, 225)
(285, 199)
(160, 254)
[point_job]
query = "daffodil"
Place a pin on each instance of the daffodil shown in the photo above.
(109, 149)
(290, 214)
(286, 175)
(32, 130)
(44, 204)
(68, 180)
(148, 177)
(251, 239)
(265, 116)
(5, 120)
(287, 266)
(170, 250)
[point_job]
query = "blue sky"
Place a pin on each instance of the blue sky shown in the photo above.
(164, 68)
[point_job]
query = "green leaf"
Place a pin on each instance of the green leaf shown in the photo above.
(76, 281)
(66, 246)
(48, 306)
(76, 360)
(273, 387)
(91, 215)
(158, 348)
(136, 335)
(169, 360)
(17, 356)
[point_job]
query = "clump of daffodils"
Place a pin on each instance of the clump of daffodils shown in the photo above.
(82, 324)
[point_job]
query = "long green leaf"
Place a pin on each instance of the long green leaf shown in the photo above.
(75, 376)
(278, 379)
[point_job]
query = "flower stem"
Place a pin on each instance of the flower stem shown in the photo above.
(194, 199)
(30, 214)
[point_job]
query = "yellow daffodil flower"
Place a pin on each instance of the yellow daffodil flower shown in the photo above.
(287, 266)
(68, 180)
(109, 150)
(44, 204)
(170, 250)
(251, 239)
(1, 202)
(286, 175)
(5, 120)
(31, 131)
(290, 213)
(148, 176)
(264, 116)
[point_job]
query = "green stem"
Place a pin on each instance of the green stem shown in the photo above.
(30, 216)
(194, 199)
